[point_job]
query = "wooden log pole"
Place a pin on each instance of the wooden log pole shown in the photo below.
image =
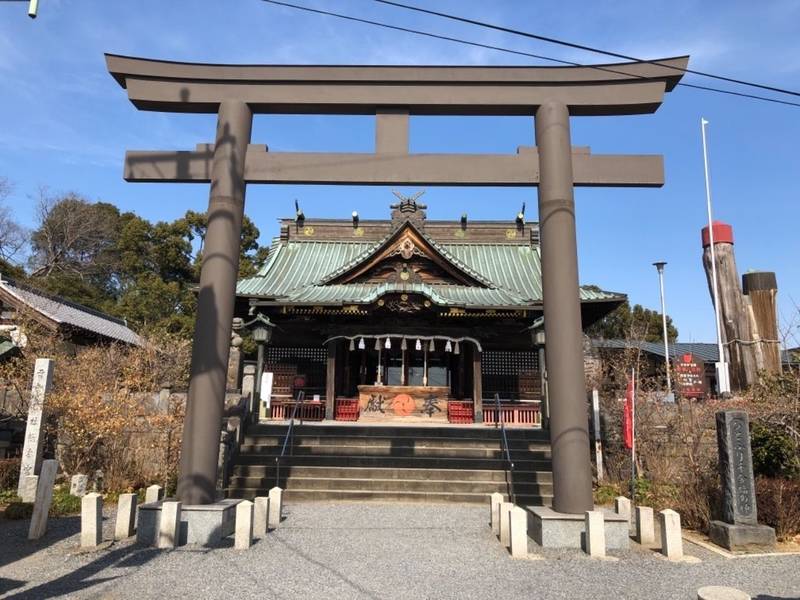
(736, 330)
(761, 292)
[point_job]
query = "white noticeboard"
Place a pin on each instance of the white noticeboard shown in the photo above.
(266, 388)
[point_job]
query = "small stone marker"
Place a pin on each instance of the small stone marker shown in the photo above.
(275, 507)
(739, 528)
(91, 520)
(169, 527)
(125, 525)
(152, 494)
(32, 448)
(27, 488)
(671, 542)
(720, 592)
(595, 536)
(622, 506)
(44, 497)
(78, 484)
(518, 526)
(505, 520)
(495, 500)
(243, 538)
(261, 516)
(645, 528)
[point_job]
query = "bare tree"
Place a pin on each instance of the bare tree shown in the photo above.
(13, 236)
(71, 236)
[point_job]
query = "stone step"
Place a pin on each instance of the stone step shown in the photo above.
(361, 460)
(400, 485)
(395, 450)
(295, 495)
(267, 473)
(387, 441)
(398, 432)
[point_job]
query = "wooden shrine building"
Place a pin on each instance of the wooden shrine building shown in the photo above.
(406, 319)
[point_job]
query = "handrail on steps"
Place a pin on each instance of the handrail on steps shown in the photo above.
(301, 396)
(499, 422)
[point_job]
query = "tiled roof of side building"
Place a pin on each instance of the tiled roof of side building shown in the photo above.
(64, 312)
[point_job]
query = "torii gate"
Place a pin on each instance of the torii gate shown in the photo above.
(392, 93)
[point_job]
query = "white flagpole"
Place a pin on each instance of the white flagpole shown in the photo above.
(723, 380)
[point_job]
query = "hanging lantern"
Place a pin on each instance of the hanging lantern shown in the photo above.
(378, 344)
(418, 346)
(388, 344)
(403, 345)
(432, 347)
(361, 344)
(448, 347)
(352, 345)
(457, 349)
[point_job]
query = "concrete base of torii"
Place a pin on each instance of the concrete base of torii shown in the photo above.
(551, 529)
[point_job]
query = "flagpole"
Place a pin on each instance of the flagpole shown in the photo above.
(723, 381)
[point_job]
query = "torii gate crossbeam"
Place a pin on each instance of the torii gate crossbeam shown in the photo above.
(393, 93)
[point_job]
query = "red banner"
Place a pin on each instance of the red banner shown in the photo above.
(627, 417)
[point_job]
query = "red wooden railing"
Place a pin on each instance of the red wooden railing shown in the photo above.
(307, 411)
(519, 414)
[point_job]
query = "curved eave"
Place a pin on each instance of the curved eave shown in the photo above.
(359, 89)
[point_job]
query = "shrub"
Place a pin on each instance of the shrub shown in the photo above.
(18, 510)
(778, 503)
(9, 473)
(774, 452)
(64, 503)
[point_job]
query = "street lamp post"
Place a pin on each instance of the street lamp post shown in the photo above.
(660, 268)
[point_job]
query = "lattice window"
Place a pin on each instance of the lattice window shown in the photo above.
(512, 374)
(308, 362)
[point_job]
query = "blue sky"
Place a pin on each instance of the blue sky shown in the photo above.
(65, 124)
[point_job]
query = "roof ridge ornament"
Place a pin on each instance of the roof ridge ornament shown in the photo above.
(408, 209)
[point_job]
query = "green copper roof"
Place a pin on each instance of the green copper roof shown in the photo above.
(295, 272)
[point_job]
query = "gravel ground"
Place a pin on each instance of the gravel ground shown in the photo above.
(368, 550)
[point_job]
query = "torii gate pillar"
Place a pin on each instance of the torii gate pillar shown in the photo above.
(197, 480)
(569, 428)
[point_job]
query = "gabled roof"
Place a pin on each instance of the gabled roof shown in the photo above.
(63, 312)
(296, 271)
(373, 255)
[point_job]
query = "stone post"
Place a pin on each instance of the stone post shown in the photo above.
(645, 529)
(169, 525)
(505, 521)
(27, 488)
(739, 528)
(495, 500)
(671, 541)
(243, 537)
(44, 497)
(125, 525)
(78, 485)
(518, 528)
(32, 448)
(152, 494)
(215, 303)
(569, 429)
(622, 506)
(261, 516)
(275, 507)
(91, 520)
(595, 540)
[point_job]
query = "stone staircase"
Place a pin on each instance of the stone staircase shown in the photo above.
(403, 464)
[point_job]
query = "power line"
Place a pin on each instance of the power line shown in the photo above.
(517, 52)
(550, 40)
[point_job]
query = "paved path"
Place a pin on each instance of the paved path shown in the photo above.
(366, 550)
